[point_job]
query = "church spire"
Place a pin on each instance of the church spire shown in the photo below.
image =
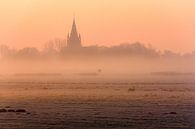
(74, 39)
(74, 29)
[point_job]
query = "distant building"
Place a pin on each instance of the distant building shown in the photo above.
(74, 39)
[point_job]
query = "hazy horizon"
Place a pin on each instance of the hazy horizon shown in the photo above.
(97, 64)
(163, 24)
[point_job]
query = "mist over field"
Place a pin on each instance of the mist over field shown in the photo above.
(122, 59)
(96, 75)
(97, 90)
(123, 86)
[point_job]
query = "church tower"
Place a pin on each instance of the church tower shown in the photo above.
(74, 39)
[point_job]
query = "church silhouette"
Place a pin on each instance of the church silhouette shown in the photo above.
(74, 39)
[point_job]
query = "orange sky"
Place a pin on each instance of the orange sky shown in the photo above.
(165, 24)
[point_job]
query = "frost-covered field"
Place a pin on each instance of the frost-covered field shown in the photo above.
(95, 102)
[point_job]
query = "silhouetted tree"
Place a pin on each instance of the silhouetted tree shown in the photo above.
(4, 50)
(28, 52)
(170, 54)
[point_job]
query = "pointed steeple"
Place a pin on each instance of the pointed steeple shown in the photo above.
(74, 29)
(74, 40)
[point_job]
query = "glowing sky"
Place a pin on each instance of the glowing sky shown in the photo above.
(165, 24)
